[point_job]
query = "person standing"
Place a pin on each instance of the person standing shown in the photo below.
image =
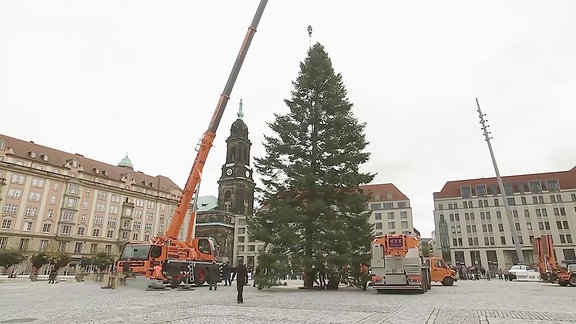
(241, 280)
(226, 274)
(213, 274)
(52, 276)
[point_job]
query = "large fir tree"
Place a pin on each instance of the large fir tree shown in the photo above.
(314, 212)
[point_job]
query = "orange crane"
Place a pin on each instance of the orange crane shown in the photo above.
(188, 260)
(544, 253)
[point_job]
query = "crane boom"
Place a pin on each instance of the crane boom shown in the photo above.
(210, 134)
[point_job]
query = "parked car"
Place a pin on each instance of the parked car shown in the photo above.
(518, 268)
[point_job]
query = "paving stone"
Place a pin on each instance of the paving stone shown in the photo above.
(483, 302)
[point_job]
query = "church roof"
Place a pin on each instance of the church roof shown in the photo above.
(126, 163)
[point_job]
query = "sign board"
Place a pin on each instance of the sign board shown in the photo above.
(396, 242)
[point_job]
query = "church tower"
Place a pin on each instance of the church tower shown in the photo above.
(236, 185)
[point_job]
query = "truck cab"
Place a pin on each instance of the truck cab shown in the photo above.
(441, 272)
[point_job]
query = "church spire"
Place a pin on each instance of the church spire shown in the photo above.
(240, 114)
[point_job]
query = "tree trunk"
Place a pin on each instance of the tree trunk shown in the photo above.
(308, 279)
(333, 283)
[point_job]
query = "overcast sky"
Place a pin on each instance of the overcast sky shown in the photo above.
(102, 78)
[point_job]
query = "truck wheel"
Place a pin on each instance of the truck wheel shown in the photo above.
(551, 278)
(447, 281)
(563, 283)
(175, 281)
(572, 280)
(199, 276)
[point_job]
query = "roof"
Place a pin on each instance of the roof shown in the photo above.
(566, 180)
(381, 192)
(31, 151)
(207, 203)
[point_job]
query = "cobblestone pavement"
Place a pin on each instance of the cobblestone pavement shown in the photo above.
(483, 302)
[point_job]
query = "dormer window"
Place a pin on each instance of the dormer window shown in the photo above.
(32, 154)
(96, 170)
(389, 196)
(151, 184)
(44, 157)
(2, 145)
(144, 182)
(74, 163)
(104, 173)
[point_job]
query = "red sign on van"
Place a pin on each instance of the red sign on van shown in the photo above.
(395, 242)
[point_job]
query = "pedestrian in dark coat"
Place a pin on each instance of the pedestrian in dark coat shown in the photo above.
(52, 276)
(226, 274)
(241, 280)
(213, 274)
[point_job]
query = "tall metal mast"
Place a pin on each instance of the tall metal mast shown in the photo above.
(509, 216)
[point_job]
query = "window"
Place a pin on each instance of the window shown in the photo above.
(490, 228)
(24, 244)
(541, 226)
(547, 225)
(484, 228)
(6, 223)
(50, 213)
(503, 240)
(511, 201)
(65, 229)
(515, 213)
(559, 224)
(526, 213)
(486, 242)
(17, 178)
(541, 199)
(62, 246)
(457, 217)
(110, 234)
(481, 191)
(378, 225)
(473, 228)
(403, 215)
(568, 238)
(562, 239)
(34, 196)
(556, 211)
(377, 216)
(492, 241)
(455, 242)
(404, 224)
(390, 215)
(93, 248)
(251, 248)
(538, 213)
(470, 241)
(498, 214)
(14, 193)
(565, 224)
(242, 239)
(523, 199)
(10, 209)
(43, 245)
(108, 248)
(240, 248)
(544, 212)
(96, 232)
(451, 217)
(78, 247)
(562, 211)
(535, 186)
(391, 225)
(80, 231)
(112, 222)
(402, 204)
(73, 188)
(102, 195)
(27, 226)
(46, 228)
(501, 227)
(453, 229)
(465, 192)
(135, 237)
(552, 185)
(146, 237)
(517, 226)
(529, 226)
(468, 229)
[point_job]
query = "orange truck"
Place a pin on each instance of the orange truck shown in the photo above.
(440, 272)
(188, 261)
(398, 264)
(567, 275)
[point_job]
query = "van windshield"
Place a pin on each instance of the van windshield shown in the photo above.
(135, 252)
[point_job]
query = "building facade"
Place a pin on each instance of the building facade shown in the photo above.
(54, 200)
(472, 228)
(390, 208)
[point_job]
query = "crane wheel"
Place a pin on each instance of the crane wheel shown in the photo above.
(572, 280)
(447, 281)
(200, 276)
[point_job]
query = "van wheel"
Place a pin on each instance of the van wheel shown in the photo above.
(447, 281)
(572, 280)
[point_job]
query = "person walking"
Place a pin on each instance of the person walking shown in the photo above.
(241, 280)
(213, 275)
(226, 274)
(52, 276)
